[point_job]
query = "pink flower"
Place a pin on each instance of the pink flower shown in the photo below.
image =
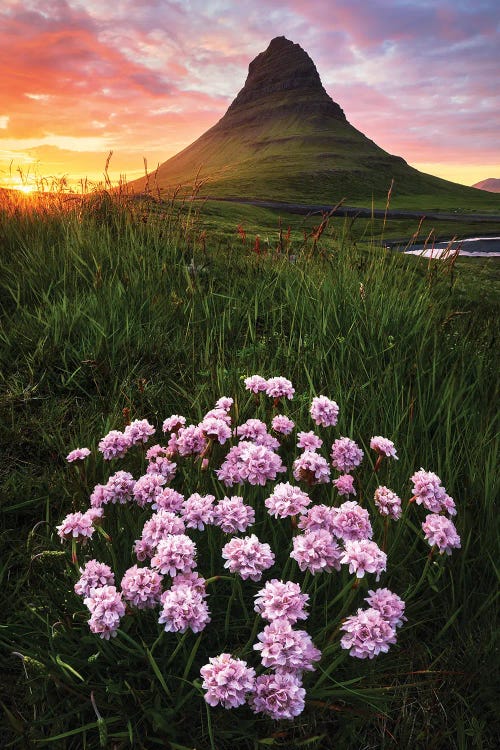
(312, 468)
(248, 557)
(188, 441)
(107, 608)
(367, 634)
(77, 454)
(286, 500)
(390, 606)
(345, 484)
(94, 574)
(363, 557)
(284, 648)
(388, 503)
(147, 488)
(383, 446)
(316, 551)
(248, 462)
(192, 580)
(168, 499)
(227, 681)
(160, 525)
(324, 411)
(255, 383)
(120, 487)
(308, 441)
(216, 429)
(173, 423)
(280, 695)
(183, 607)
(429, 492)
(198, 510)
(114, 445)
(282, 424)
(156, 451)
(346, 455)
(224, 402)
(163, 466)
(77, 526)
(281, 600)
(141, 587)
(174, 554)
(440, 531)
(251, 429)
(352, 522)
(139, 431)
(232, 515)
(99, 496)
(318, 518)
(279, 387)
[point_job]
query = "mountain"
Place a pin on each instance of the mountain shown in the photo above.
(283, 138)
(492, 185)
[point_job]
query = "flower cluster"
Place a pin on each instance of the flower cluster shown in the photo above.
(248, 557)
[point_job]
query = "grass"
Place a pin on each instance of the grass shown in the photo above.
(108, 307)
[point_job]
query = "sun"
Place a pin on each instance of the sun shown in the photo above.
(26, 189)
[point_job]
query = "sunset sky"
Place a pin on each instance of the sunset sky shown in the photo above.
(145, 78)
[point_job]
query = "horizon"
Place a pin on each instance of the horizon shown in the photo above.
(82, 80)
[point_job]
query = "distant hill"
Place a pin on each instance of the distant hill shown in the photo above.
(284, 138)
(492, 185)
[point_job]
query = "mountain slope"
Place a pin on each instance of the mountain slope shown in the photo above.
(491, 184)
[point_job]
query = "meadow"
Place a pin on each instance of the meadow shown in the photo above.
(116, 310)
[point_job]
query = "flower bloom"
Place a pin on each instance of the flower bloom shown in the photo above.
(251, 429)
(218, 413)
(255, 383)
(429, 492)
(383, 446)
(346, 455)
(183, 607)
(216, 429)
(388, 503)
(120, 487)
(193, 580)
(158, 527)
(248, 557)
(312, 468)
(316, 551)
(198, 510)
(345, 484)
(308, 441)
(173, 423)
(390, 606)
(174, 554)
(232, 515)
(76, 526)
(286, 500)
(168, 499)
(352, 522)
(440, 531)
(281, 600)
(279, 695)
(282, 647)
(139, 431)
(224, 402)
(162, 465)
(282, 424)
(227, 681)
(77, 454)
(248, 462)
(147, 488)
(279, 387)
(114, 445)
(367, 633)
(94, 574)
(318, 517)
(324, 411)
(363, 557)
(188, 441)
(141, 587)
(106, 608)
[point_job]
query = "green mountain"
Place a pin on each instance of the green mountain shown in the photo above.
(283, 138)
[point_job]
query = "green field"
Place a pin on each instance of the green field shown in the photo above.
(159, 309)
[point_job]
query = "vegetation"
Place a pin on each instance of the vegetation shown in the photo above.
(111, 305)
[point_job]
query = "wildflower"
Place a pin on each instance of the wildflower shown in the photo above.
(316, 551)
(440, 531)
(160, 525)
(163, 466)
(232, 515)
(308, 441)
(147, 488)
(255, 383)
(77, 526)
(227, 681)
(94, 574)
(224, 402)
(367, 633)
(390, 606)
(99, 496)
(174, 554)
(173, 423)
(251, 429)
(324, 411)
(345, 484)
(120, 487)
(192, 580)
(198, 511)
(286, 500)
(248, 462)
(188, 441)
(107, 608)
(139, 431)
(282, 647)
(77, 454)
(346, 455)
(216, 429)
(248, 557)
(383, 446)
(312, 468)
(352, 522)
(279, 387)
(281, 600)
(318, 517)
(168, 499)
(388, 503)
(114, 445)
(363, 557)
(282, 424)
(218, 413)
(429, 492)
(141, 587)
(279, 695)
(156, 451)
(183, 607)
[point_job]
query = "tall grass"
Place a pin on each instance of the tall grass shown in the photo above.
(108, 305)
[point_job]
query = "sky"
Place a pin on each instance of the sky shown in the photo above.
(145, 78)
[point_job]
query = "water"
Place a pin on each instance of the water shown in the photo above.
(474, 247)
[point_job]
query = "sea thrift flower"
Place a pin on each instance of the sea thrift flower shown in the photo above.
(281, 600)
(318, 517)
(94, 574)
(440, 531)
(282, 424)
(156, 451)
(158, 527)
(77, 526)
(352, 522)
(363, 557)
(120, 487)
(174, 554)
(316, 551)
(279, 695)
(224, 402)
(173, 423)
(324, 411)
(163, 466)
(390, 606)
(216, 429)
(279, 387)
(141, 587)
(192, 580)
(388, 503)
(106, 608)
(183, 607)
(168, 499)
(429, 492)
(147, 488)
(346, 455)
(312, 468)
(345, 484)
(114, 445)
(188, 441)
(78, 454)
(248, 462)
(286, 500)
(139, 431)
(248, 557)
(251, 429)
(232, 515)
(255, 383)
(282, 647)
(367, 633)
(227, 681)
(383, 446)
(198, 510)
(218, 413)
(99, 496)
(308, 441)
